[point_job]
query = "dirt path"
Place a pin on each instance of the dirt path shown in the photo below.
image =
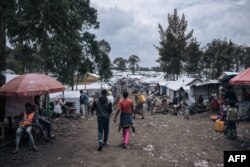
(160, 140)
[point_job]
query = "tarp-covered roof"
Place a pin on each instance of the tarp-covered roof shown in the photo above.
(208, 83)
(176, 85)
(227, 75)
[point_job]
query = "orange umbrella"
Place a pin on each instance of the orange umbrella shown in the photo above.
(242, 78)
(31, 85)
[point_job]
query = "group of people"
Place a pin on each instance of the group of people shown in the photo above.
(226, 107)
(33, 116)
(103, 106)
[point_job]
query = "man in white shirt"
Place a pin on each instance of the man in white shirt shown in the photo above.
(57, 108)
(110, 97)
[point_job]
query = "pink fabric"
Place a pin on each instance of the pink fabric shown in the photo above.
(125, 135)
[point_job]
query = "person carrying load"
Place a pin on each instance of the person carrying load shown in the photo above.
(140, 100)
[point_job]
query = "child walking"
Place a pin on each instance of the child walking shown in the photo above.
(125, 106)
(232, 119)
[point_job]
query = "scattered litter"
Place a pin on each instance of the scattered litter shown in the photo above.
(150, 153)
(59, 158)
(174, 161)
(240, 135)
(148, 124)
(204, 153)
(149, 148)
(164, 125)
(201, 163)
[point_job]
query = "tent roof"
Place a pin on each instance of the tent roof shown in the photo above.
(241, 79)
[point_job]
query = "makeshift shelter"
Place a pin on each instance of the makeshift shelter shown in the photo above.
(174, 86)
(87, 79)
(205, 89)
(225, 77)
(90, 78)
(243, 81)
(162, 88)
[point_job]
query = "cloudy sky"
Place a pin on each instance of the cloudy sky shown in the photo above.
(131, 26)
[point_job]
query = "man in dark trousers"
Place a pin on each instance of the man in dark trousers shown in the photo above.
(103, 109)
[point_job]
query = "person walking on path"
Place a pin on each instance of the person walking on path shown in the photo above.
(83, 103)
(126, 122)
(103, 109)
(140, 100)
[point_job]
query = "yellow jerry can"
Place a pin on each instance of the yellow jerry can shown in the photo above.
(219, 126)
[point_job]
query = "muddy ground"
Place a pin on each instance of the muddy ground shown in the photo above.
(160, 140)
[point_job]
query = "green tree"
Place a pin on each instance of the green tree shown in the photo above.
(11, 62)
(133, 61)
(193, 57)
(172, 45)
(120, 63)
(218, 57)
(58, 33)
(246, 59)
(104, 63)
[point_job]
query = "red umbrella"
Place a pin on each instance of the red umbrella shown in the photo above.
(242, 78)
(31, 85)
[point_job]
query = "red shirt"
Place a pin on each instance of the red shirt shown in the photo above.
(126, 105)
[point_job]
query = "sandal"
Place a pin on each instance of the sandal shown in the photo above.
(35, 149)
(15, 151)
(125, 146)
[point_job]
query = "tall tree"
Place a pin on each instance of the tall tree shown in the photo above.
(172, 44)
(133, 61)
(246, 59)
(193, 57)
(104, 62)
(57, 31)
(120, 63)
(218, 57)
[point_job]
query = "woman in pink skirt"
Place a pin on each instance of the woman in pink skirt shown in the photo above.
(125, 106)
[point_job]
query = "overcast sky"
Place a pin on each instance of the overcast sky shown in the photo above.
(131, 26)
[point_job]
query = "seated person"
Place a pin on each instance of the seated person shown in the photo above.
(177, 107)
(62, 102)
(201, 102)
(57, 109)
(164, 103)
(40, 119)
(26, 125)
(175, 100)
(157, 105)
